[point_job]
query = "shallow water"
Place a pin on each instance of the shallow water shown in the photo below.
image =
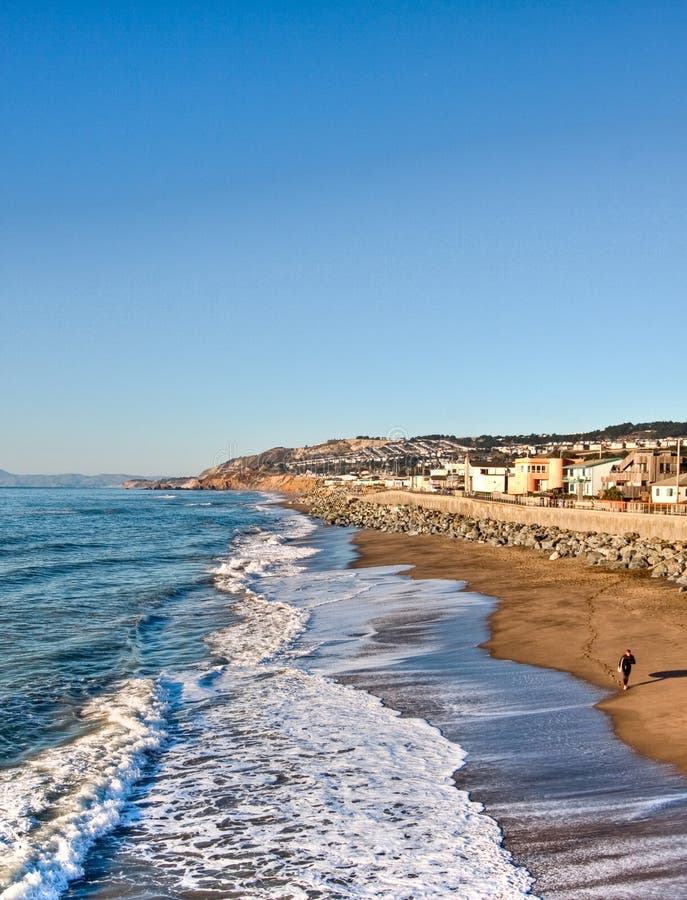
(200, 756)
(587, 815)
(225, 737)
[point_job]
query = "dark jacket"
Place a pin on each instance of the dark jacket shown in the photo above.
(626, 662)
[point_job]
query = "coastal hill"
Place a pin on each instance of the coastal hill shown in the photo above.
(72, 480)
(293, 469)
(281, 468)
(284, 468)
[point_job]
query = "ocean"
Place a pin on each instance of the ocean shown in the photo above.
(200, 699)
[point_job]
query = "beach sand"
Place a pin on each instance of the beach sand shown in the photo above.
(566, 615)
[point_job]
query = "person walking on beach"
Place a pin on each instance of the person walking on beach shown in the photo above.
(625, 664)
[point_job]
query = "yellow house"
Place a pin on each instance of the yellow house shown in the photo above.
(534, 474)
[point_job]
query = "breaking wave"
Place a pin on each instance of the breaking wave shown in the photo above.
(63, 799)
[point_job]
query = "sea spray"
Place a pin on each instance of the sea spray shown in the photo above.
(67, 797)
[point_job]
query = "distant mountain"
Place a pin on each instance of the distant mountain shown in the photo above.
(8, 479)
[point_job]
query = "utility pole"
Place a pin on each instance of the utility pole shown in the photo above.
(677, 477)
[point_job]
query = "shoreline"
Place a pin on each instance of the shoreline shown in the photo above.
(568, 616)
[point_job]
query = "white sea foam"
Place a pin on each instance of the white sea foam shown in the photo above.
(264, 626)
(288, 784)
(279, 783)
(300, 786)
(60, 801)
(259, 554)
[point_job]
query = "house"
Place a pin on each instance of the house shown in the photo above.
(421, 483)
(438, 479)
(584, 479)
(454, 468)
(668, 490)
(334, 480)
(489, 478)
(635, 474)
(535, 474)
(398, 483)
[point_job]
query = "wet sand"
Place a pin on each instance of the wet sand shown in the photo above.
(565, 615)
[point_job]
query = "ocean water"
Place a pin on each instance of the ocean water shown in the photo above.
(200, 700)
(163, 734)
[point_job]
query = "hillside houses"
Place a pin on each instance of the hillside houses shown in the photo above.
(623, 467)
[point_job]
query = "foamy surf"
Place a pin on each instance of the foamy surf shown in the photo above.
(58, 803)
(277, 781)
(328, 792)
(264, 627)
(263, 554)
(290, 785)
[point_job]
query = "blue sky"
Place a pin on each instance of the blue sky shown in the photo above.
(227, 226)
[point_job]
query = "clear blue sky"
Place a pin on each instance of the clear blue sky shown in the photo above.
(227, 226)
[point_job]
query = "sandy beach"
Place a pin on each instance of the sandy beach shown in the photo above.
(565, 615)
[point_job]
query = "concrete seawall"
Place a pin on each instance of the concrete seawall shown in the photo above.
(612, 544)
(666, 528)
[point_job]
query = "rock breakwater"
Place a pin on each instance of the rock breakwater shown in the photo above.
(659, 558)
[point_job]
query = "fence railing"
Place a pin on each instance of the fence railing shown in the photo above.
(616, 506)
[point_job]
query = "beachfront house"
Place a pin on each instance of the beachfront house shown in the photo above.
(634, 475)
(489, 479)
(536, 474)
(669, 491)
(585, 479)
(438, 479)
(397, 483)
(421, 483)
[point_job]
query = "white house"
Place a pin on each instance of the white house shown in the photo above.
(399, 483)
(422, 483)
(489, 479)
(584, 479)
(668, 491)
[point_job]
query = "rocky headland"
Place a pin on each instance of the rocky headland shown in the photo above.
(236, 480)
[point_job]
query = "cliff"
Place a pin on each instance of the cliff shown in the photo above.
(231, 480)
(250, 480)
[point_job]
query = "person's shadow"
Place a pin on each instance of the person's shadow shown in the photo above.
(661, 676)
(670, 673)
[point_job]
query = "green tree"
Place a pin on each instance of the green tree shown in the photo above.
(612, 493)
